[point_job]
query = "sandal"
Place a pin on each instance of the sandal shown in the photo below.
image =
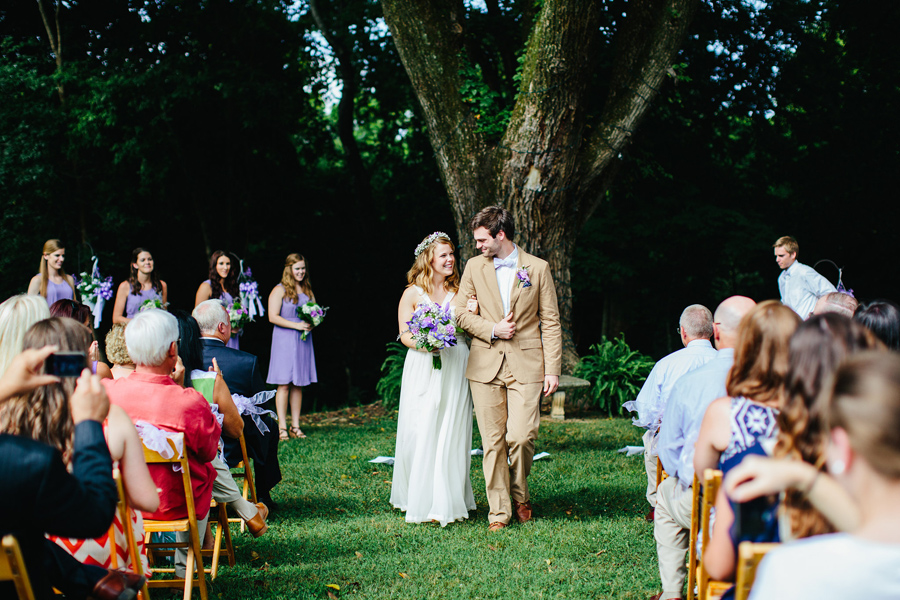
(283, 435)
(296, 433)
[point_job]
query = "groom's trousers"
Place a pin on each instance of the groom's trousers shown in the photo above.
(508, 414)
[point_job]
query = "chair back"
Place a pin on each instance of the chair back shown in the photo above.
(661, 474)
(708, 588)
(695, 531)
(749, 555)
(12, 568)
(124, 511)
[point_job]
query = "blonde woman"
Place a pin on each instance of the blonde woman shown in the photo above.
(117, 352)
(293, 364)
(17, 314)
(52, 282)
(434, 427)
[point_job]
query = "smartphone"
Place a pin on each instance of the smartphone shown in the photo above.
(66, 364)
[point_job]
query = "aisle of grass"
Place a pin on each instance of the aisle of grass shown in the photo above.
(335, 526)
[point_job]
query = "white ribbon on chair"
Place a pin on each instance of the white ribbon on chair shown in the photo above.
(157, 440)
(251, 406)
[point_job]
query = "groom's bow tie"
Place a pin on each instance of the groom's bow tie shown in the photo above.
(505, 262)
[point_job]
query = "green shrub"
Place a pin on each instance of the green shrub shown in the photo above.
(616, 373)
(388, 387)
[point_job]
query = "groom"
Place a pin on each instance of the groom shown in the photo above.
(516, 353)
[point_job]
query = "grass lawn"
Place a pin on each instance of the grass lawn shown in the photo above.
(335, 525)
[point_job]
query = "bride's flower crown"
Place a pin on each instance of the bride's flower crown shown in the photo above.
(429, 240)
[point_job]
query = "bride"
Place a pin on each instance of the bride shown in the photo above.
(434, 428)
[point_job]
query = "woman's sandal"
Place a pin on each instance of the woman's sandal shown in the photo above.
(283, 434)
(296, 433)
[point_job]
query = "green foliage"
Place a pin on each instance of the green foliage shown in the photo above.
(388, 387)
(491, 114)
(615, 371)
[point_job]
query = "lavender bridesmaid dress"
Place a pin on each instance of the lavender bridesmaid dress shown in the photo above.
(227, 300)
(59, 291)
(133, 303)
(292, 359)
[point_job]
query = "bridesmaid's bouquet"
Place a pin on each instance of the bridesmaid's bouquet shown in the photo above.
(432, 328)
(152, 303)
(238, 315)
(312, 313)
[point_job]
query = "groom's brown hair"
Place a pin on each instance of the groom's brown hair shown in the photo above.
(495, 219)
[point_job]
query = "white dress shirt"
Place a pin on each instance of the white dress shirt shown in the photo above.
(506, 275)
(800, 287)
(650, 403)
(690, 397)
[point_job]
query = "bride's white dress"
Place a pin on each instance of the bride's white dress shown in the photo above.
(434, 436)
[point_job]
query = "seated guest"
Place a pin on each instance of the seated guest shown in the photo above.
(881, 317)
(690, 396)
(150, 394)
(117, 352)
(40, 496)
(225, 489)
(17, 314)
(836, 302)
(72, 309)
(242, 376)
(862, 413)
(744, 422)
(817, 348)
(44, 415)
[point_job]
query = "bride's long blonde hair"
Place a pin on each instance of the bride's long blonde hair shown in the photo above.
(421, 273)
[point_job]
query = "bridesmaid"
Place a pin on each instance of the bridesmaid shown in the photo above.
(52, 282)
(222, 284)
(292, 364)
(143, 284)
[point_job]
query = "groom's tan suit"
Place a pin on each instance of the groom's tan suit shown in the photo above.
(507, 376)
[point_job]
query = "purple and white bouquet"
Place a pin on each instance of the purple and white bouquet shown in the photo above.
(94, 290)
(238, 315)
(432, 328)
(250, 294)
(312, 313)
(151, 303)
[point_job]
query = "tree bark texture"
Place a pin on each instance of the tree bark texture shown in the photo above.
(550, 168)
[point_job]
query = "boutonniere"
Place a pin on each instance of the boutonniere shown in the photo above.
(522, 276)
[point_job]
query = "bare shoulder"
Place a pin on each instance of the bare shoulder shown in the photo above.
(124, 287)
(720, 408)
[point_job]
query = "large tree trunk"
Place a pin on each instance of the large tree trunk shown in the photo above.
(550, 169)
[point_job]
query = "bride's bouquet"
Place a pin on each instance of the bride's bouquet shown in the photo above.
(312, 313)
(432, 328)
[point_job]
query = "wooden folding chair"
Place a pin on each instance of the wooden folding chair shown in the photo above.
(244, 471)
(709, 589)
(124, 511)
(749, 555)
(188, 524)
(12, 568)
(695, 531)
(661, 474)
(222, 531)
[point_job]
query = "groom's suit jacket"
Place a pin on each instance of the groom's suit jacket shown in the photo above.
(536, 348)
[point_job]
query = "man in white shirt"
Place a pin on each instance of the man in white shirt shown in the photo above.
(695, 328)
(800, 285)
(688, 400)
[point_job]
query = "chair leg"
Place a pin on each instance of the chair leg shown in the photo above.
(226, 532)
(195, 551)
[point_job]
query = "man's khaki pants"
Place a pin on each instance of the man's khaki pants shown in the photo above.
(672, 530)
(509, 414)
(650, 455)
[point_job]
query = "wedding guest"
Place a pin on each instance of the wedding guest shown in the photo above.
(688, 401)
(881, 317)
(143, 284)
(17, 314)
(817, 348)
(222, 285)
(862, 416)
(117, 352)
(52, 282)
(71, 309)
(836, 302)
(800, 286)
(744, 422)
(695, 327)
(292, 365)
(150, 394)
(44, 415)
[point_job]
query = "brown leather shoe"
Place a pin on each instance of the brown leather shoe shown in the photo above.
(257, 525)
(118, 585)
(497, 526)
(651, 516)
(522, 510)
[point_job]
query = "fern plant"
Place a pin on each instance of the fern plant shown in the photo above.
(616, 373)
(388, 387)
